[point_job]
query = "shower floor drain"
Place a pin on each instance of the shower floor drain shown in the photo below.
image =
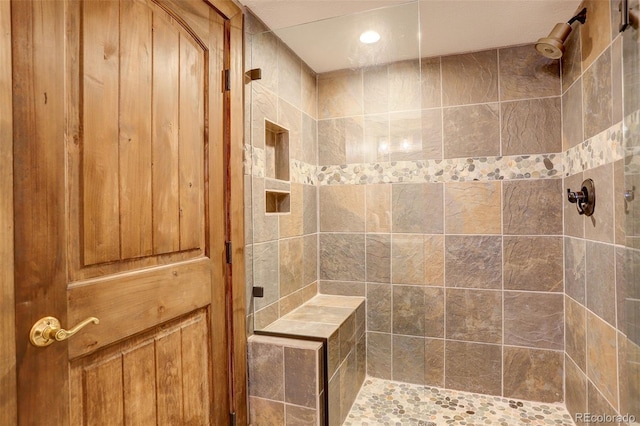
(382, 402)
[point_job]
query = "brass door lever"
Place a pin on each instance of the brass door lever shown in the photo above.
(47, 330)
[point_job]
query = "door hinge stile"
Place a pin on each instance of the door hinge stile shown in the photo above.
(226, 80)
(229, 250)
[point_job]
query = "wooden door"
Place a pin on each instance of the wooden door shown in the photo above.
(121, 153)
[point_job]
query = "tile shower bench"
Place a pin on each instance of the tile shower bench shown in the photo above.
(319, 346)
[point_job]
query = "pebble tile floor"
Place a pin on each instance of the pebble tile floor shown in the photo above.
(382, 402)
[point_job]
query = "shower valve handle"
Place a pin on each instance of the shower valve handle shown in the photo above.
(585, 199)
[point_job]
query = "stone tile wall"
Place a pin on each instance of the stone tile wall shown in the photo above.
(599, 360)
(438, 254)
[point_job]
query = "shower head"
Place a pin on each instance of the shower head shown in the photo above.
(552, 46)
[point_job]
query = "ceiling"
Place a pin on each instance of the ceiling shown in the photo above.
(325, 33)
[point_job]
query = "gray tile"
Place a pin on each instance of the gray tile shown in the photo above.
(379, 355)
(572, 117)
(300, 376)
(470, 78)
(473, 207)
(431, 82)
(535, 320)
(601, 285)
(572, 59)
(266, 367)
(598, 106)
(574, 268)
(533, 207)
(473, 261)
(378, 258)
(525, 74)
(408, 310)
(533, 263)
(473, 367)
(533, 374)
(576, 332)
(376, 89)
(291, 265)
(474, 315)
(409, 204)
(575, 388)
(342, 208)
(531, 126)
(408, 359)
(379, 308)
(471, 131)
(342, 257)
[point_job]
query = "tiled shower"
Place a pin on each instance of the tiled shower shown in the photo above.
(436, 189)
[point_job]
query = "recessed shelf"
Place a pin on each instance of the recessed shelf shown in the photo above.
(276, 147)
(277, 202)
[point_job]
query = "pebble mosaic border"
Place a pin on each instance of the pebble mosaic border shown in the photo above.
(604, 148)
(383, 402)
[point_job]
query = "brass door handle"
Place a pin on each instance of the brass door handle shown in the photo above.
(47, 330)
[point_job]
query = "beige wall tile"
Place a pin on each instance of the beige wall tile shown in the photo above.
(601, 285)
(264, 55)
(432, 134)
(533, 263)
(576, 332)
(572, 116)
(289, 76)
(408, 359)
(471, 131)
(404, 85)
(310, 209)
(378, 258)
(598, 106)
(301, 377)
(473, 261)
(434, 312)
(379, 355)
(291, 225)
(535, 320)
(342, 288)
(533, 207)
(473, 207)
(266, 272)
(619, 202)
(309, 92)
(531, 126)
(525, 74)
(417, 208)
(434, 260)
(376, 89)
(575, 388)
(602, 357)
(264, 105)
(266, 316)
(533, 374)
(405, 136)
(309, 140)
(290, 118)
(408, 310)
(341, 141)
(597, 403)
(378, 209)
(297, 416)
(572, 59)
(470, 78)
(408, 260)
(340, 94)
(434, 362)
(266, 366)
(474, 315)
(595, 34)
(342, 208)
(376, 138)
(574, 268)
(291, 265)
(379, 307)
(342, 257)
(310, 259)
(474, 367)
(265, 412)
(431, 82)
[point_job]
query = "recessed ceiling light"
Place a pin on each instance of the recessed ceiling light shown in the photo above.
(369, 37)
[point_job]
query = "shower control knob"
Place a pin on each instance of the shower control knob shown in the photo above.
(585, 199)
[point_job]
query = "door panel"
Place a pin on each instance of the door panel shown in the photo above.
(156, 378)
(120, 210)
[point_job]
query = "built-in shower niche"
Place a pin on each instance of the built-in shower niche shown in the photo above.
(277, 183)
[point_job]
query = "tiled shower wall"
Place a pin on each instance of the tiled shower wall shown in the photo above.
(281, 248)
(449, 217)
(600, 374)
(441, 200)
